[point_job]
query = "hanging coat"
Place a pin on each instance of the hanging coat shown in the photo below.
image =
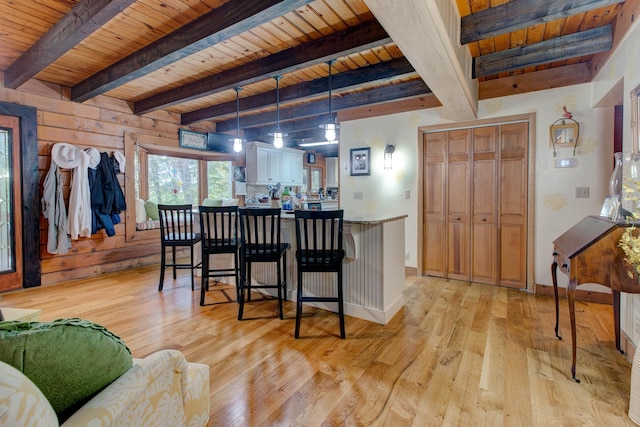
(54, 210)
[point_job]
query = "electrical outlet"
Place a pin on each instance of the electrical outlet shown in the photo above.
(582, 192)
(407, 194)
(359, 195)
(407, 255)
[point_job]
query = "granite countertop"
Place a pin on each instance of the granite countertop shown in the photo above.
(366, 220)
(371, 219)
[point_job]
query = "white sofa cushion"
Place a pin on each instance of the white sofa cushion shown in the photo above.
(21, 402)
(161, 390)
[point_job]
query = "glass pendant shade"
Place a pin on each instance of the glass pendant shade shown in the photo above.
(237, 145)
(278, 142)
(330, 132)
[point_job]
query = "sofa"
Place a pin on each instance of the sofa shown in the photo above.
(162, 389)
(74, 372)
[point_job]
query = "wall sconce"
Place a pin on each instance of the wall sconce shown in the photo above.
(388, 156)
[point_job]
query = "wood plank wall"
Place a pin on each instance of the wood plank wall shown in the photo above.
(100, 123)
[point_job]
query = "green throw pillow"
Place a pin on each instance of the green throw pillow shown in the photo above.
(69, 360)
(212, 202)
(152, 210)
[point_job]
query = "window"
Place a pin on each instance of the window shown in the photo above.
(219, 177)
(172, 179)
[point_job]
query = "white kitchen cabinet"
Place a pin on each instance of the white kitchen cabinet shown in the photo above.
(292, 168)
(332, 171)
(264, 165)
(268, 165)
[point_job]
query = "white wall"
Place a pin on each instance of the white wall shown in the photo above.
(623, 67)
(556, 206)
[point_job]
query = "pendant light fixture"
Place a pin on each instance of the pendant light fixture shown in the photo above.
(237, 141)
(278, 136)
(330, 128)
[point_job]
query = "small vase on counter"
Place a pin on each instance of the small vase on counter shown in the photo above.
(275, 203)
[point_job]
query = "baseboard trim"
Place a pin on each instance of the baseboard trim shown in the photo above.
(410, 271)
(590, 296)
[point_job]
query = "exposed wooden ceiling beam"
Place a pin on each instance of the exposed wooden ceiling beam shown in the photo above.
(83, 20)
(352, 40)
(384, 94)
(519, 14)
(230, 19)
(393, 107)
(292, 127)
(540, 80)
(351, 79)
(427, 34)
(557, 49)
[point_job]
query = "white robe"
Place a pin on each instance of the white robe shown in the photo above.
(56, 213)
(80, 199)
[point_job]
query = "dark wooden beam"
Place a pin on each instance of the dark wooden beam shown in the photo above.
(556, 49)
(346, 42)
(82, 21)
(392, 107)
(519, 14)
(384, 94)
(352, 79)
(550, 78)
(230, 19)
(291, 127)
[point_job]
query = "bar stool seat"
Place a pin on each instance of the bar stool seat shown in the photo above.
(319, 241)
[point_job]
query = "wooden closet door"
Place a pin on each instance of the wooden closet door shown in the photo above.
(434, 232)
(458, 204)
(513, 205)
(484, 234)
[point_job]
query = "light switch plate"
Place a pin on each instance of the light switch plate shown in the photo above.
(582, 192)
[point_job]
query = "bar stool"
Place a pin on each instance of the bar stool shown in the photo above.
(319, 250)
(260, 242)
(218, 232)
(176, 230)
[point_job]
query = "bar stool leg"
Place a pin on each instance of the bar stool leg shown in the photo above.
(298, 305)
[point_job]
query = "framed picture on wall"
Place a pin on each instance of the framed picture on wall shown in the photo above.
(360, 161)
(311, 158)
(191, 139)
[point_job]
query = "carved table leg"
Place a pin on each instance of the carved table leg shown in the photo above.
(571, 298)
(554, 276)
(616, 318)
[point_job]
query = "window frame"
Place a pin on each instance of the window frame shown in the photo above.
(145, 145)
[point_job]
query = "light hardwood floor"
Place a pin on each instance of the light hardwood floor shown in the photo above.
(458, 354)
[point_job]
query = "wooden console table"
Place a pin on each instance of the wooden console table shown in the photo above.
(588, 253)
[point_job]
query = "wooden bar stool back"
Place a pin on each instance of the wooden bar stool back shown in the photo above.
(176, 230)
(260, 242)
(219, 235)
(319, 250)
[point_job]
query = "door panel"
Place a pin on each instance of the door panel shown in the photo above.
(513, 205)
(459, 204)
(484, 251)
(11, 261)
(434, 236)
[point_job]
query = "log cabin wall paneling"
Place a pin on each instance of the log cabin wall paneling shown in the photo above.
(100, 123)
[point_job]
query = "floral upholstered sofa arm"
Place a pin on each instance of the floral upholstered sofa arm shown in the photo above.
(162, 389)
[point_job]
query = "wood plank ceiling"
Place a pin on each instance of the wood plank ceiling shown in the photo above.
(188, 56)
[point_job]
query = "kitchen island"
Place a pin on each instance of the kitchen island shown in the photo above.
(373, 268)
